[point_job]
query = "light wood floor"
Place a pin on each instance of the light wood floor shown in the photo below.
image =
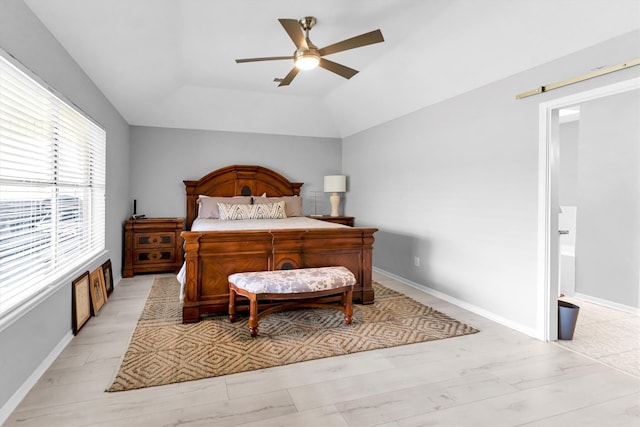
(497, 377)
(611, 337)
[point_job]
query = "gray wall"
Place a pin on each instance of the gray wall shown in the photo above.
(162, 158)
(456, 185)
(608, 219)
(26, 343)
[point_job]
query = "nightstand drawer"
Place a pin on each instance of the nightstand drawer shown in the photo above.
(155, 256)
(154, 240)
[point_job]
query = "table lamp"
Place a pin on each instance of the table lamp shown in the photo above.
(335, 184)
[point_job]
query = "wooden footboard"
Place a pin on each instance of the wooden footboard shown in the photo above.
(212, 256)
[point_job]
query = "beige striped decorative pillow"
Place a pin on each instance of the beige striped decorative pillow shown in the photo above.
(208, 206)
(292, 204)
(260, 211)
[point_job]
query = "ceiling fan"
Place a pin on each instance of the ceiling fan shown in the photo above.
(307, 55)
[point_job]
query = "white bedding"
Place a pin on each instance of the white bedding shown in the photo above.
(200, 224)
(260, 224)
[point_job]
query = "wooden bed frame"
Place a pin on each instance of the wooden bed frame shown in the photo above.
(211, 256)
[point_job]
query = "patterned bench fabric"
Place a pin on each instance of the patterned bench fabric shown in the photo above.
(294, 281)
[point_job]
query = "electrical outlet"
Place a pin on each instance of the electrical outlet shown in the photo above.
(416, 261)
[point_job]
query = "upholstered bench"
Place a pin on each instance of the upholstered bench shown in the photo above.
(304, 287)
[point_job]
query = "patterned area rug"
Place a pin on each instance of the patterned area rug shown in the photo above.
(164, 351)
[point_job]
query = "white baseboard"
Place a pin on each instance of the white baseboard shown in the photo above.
(608, 304)
(17, 397)
(465, 305)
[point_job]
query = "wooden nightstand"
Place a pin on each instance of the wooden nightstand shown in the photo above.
(344, 220)
(152, 245)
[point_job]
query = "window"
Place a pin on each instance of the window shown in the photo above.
(52, 188)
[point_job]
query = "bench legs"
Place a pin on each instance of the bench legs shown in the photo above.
(253, 315)
(232, 304)
(253, 310)
(291, 301)
(347, 303)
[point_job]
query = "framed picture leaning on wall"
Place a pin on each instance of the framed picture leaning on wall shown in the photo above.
(98, 290)
(108, 276)
(80, 302)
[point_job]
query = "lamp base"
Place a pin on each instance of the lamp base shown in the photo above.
(335, 203)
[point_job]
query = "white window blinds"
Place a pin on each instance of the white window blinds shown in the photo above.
(52, 188)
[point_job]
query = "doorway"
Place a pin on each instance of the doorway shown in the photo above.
(549, 204)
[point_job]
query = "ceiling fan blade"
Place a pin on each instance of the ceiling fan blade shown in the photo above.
(289, 77)
(357, 41)
(292, 27)
(339, 69)
(267, 58)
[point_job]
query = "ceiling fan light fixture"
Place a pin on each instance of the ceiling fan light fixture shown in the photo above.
(306, 60)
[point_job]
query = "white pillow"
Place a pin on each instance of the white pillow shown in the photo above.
(259, 211)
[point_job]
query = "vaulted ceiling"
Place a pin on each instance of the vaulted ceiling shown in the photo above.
(171, 63)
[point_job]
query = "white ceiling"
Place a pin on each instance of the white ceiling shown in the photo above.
(170, 63)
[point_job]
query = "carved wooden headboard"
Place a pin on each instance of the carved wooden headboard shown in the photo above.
(237, 180)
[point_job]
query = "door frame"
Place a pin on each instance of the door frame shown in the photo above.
(548, 201)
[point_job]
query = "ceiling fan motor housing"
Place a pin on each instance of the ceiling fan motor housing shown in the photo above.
(307, 22)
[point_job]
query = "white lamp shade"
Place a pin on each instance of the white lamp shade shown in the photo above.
(335, 184)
